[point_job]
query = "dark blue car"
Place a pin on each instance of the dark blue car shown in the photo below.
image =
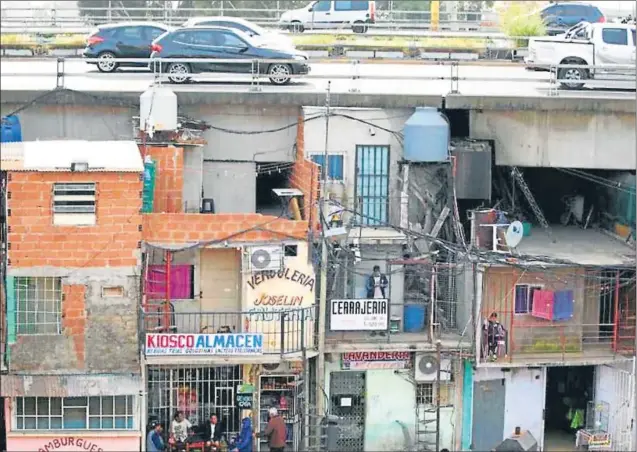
(122, 40)
(218, 43)
(559, 16)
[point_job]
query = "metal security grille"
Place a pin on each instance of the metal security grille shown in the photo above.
(349, 385)
(372, 184)
(197, 391)
(38, 305)
(424, 393)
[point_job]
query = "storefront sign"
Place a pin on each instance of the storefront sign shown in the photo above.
(359, 315)
(244, 396)
(376, 360)
(204, 344)
(71, 443)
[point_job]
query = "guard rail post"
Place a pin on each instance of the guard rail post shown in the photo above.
(553, 85)
(455, 79)
(59, 81)
(355, 88)
(255, 83)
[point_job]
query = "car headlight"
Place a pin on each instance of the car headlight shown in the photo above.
(300, 57)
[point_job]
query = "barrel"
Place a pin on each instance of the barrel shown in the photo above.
(414, 317)
(11, 130)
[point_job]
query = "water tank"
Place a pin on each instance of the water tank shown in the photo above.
(11, 130)
(426, 136)
(158, 109)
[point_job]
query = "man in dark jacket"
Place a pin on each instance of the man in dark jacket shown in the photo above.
(275, 431)
(377, 284)
(213, 432)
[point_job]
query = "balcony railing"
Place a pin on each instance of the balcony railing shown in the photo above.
(284, 331)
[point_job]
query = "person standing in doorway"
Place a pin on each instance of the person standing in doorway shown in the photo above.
(275, 431)
(377, 284)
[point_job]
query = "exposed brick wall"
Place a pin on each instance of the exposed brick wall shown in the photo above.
(97, 334)
(305, 176)
(35, 241)
(195, 227)
(169, 178)
(74, 319)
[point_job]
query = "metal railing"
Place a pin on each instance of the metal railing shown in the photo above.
(27, 19)
(258, 70)
(284, 331)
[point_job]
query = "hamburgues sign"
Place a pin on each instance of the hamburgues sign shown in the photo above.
(204, 344)
(359, 315)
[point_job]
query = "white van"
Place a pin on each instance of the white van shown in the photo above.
(327, 14)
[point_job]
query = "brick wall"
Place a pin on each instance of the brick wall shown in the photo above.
(195, 227)
(305, 176)
(74, 319)
(97, 334)
(169, 178)
(35, 241)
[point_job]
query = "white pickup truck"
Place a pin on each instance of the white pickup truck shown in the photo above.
(609, 47)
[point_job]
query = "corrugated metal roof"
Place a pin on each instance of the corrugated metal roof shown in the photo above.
(110, 156)
(69, 385)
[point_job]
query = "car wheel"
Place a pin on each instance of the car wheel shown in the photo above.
(178, 72)
(297, 27)
(359, 27)
(575, 74)
(106, 62)
(280, 73)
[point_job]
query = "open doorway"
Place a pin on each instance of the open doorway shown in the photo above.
(568, 391)
(269, 177)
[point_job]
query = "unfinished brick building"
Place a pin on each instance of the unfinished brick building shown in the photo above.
(74, 230)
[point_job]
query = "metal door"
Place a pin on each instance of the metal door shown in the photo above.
(347, 401)
(488, 414)
(372, 184)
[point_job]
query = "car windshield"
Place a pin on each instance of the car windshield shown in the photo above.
(254, 41)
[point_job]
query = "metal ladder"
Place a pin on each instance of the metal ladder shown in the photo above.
(517, 175)
(425, 427)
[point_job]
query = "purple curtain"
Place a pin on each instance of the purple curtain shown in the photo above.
(180, 282)
(521, 299)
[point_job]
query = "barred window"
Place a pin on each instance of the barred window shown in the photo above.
(74, 204)
(38, 305)
(75, 413)
(426, 393)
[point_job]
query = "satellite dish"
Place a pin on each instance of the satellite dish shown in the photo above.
(428, 364)
(514, 234)
(260, 259)
(270, 367)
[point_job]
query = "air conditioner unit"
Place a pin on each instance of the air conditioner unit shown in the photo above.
(265, 258)
(426, 368)
(277, 368)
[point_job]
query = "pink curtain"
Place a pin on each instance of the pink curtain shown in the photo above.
(543, 304)
(180, 282)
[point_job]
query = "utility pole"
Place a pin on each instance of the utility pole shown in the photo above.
(438, 381)
(322, 316)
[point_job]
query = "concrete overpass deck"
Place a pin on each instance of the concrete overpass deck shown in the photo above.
(592, 128)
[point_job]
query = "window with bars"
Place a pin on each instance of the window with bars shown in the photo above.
(38, 305)
(335, 166)
(74, 204)
(75, 413)
(426, 393)
(372, 184)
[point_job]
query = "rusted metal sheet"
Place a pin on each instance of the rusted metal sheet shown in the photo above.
(69, 385)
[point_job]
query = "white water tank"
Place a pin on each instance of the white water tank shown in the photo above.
(157, 109)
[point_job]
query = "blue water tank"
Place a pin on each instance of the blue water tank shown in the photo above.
(10, 130)
(426, 136)
(414, 317)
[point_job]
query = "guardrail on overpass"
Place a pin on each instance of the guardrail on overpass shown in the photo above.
(164, 71)
(387, 19)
